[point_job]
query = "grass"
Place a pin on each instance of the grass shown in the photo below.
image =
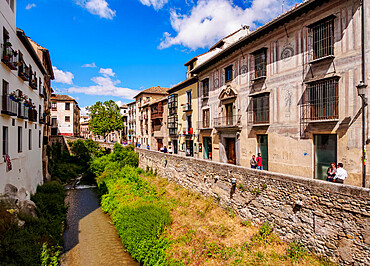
(203, 233)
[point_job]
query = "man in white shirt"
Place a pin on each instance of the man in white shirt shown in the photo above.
(340, 174)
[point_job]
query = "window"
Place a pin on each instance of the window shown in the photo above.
(68, 106)
(19, 139)
(206, 118)
(5, 95)
(260, 63)
(229, 114)
(228, 73)
(39, 138)
(205, 85)
(30, 139)
(5, 140)
(322, 100)
(188, 100)
(68, 119)
(12, 5)
(189, 125)
(261, 109)
(322, 38)
(54, 106)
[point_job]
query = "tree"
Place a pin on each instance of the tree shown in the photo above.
(105, 118)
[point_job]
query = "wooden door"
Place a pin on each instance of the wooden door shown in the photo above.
(160, 144)
(230, 150)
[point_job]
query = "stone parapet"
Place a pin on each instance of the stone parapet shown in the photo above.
(329, 219)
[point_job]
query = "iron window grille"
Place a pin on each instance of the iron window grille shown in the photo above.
(322, 34)
(321, 101)
(261, 110)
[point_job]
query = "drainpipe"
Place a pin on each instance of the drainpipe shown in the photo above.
(362, 92)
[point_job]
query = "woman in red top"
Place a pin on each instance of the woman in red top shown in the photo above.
(259, 162)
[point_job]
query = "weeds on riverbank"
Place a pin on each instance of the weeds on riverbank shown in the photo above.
(23, 245)
(161, 223)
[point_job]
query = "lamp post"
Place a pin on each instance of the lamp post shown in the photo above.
(361, 89)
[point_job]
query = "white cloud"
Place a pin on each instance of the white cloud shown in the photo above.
(157, 4)
(211, 20)
(89, 65)
(98, 7)
(105, 85)
(62, 77)
(107, 72)
(29, 6)
(84, 111)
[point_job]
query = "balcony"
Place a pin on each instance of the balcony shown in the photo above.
(9, 56)
(145, 116)
(33, 81)
(23, 111)
(10, 107)
(24, 71)
(188, 131)
(187, 107)
(227, 121)
(203, 125)
(32, 115)
(321, 102)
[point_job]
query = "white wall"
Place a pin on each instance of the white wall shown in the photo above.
(26, 170)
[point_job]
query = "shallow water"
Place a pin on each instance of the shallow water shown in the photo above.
(90, 237)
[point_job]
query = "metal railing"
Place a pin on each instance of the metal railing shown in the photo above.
(227, 121)
(23, 71)
(320, 101)
(187, 107)
(9, 57)
(32, 115)
(204, 124)
(10, 107)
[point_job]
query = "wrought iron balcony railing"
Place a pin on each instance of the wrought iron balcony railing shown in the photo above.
(10, 107)
(32, 115)
(227, 121)
(9, 56)
(204, 124)
(24, 71)
(187, 107)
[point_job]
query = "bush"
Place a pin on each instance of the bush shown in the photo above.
(136, 210)
(24, 245)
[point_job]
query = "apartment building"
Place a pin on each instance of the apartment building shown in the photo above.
(65, 116)
(288, 91)
(22, 76)
(46, 92)
(143, 113)
(182, 111)
(131, 122)
(158, 116)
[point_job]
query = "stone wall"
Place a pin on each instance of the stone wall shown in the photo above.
(328, 219)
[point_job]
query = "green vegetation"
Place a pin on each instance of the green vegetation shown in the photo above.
(38, 240)
(64, 166)
(105, 117)
(161, 223)
(134, 205)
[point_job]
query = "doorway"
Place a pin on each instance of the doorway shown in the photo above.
(263, 148)
(160, 144)
(175, 146)
(207, 143)
(230, 150)
(189, 148)
(325, 153)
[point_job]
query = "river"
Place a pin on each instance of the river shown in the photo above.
(90, 238)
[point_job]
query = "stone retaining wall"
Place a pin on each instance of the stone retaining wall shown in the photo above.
(327, 218)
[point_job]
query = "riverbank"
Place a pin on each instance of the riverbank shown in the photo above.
(162, 223)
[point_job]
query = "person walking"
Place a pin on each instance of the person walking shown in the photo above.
(331, 172)
(253, 162)
(259, 162)
(341, 174)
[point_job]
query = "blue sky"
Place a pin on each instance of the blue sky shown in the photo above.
(112, 49)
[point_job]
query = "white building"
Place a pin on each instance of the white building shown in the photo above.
(21, 76)
(65, 116)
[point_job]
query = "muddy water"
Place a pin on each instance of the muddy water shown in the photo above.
(90, 237)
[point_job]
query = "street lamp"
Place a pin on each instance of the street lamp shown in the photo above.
(361, 89)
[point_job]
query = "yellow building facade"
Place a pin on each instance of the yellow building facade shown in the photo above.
(182, 118)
